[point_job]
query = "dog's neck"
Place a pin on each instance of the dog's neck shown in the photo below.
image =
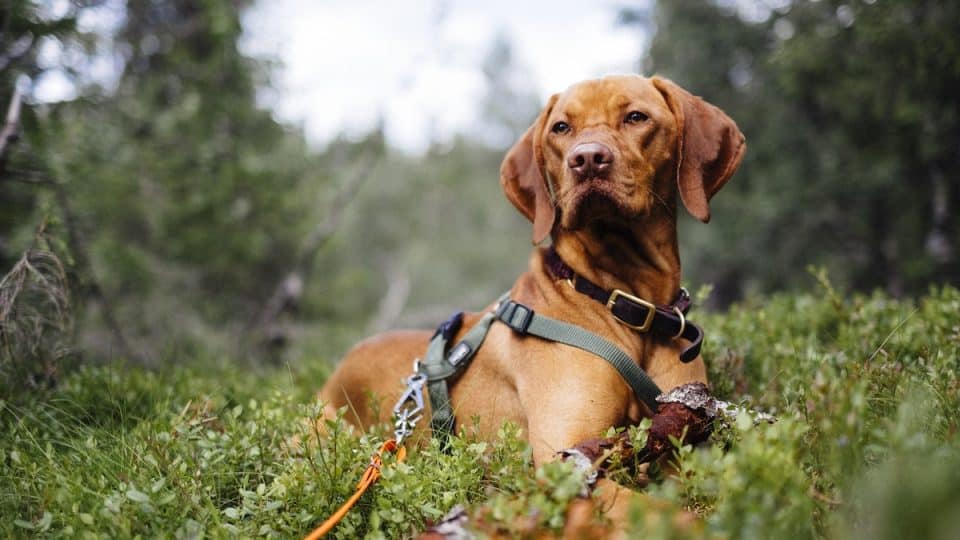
(641, 258)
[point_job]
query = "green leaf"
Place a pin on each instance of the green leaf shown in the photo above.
(137, 496)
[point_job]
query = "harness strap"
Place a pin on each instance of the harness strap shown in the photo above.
(441, 417)
(438, 366)
(524, 320)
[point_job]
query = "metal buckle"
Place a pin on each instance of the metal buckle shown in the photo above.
(651, 309)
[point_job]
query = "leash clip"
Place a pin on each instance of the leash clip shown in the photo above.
(409, 408)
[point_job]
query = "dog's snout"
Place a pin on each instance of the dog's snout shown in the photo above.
(589, 160)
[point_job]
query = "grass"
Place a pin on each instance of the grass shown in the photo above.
(867, 390)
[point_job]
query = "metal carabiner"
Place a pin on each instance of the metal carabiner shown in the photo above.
(414, 392)
(407, 411)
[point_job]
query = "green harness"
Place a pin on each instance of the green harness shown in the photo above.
(440, 363)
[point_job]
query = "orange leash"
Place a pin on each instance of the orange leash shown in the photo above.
(371, 475)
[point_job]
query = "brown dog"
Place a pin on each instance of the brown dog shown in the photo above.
(599, 172)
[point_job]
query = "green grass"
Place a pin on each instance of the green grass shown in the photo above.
(866, 389)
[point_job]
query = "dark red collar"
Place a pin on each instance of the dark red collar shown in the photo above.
(640, 315)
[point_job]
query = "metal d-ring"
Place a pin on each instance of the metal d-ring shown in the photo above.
(683, 322)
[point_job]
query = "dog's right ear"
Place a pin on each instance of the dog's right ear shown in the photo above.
(522, 179)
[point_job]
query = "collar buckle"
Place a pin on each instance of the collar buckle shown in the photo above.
(638, 302)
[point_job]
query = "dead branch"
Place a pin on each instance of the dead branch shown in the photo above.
(392, 302)
(11, 127)
(288, 292)
(326, 228)
(77, 243)
(22, 176)
(35, 319)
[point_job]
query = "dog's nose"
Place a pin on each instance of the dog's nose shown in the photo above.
(590, 160)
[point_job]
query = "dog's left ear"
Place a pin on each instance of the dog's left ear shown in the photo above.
(710, 147)
(522, 178)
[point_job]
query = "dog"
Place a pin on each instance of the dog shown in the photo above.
(600, 173)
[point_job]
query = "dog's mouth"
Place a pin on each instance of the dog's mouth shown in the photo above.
(594, 200)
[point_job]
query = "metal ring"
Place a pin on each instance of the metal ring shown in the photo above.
(683, 322)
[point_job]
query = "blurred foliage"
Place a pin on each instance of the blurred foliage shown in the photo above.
(852, 124)
(23, 28)
(192, 203)
(193, 225)
(866, 446)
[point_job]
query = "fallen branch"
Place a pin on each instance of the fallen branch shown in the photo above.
(687, 413)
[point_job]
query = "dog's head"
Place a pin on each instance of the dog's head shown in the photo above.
(614, 148)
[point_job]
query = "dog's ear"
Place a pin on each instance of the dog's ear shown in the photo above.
(709, 147)
(521, 176)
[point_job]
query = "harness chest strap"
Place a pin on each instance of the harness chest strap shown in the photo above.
(524, 320)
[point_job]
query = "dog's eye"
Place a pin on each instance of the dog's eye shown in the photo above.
(560, 128)
(635, 117)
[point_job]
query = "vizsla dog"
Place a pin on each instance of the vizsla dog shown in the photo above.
(599, 172)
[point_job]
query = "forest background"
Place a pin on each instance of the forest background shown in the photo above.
(170, 218)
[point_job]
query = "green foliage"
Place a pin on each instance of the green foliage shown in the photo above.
(122, 453)
(865, 387)
(867, 391)
(192, 203)
(25, 29)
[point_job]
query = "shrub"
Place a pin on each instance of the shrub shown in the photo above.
(866, 390)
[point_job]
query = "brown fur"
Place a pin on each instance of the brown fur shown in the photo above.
(618, 231)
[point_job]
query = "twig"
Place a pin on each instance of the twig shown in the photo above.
(326, 228)
(892, 332)
(34, 178)
(11, 128)
(824, 498)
